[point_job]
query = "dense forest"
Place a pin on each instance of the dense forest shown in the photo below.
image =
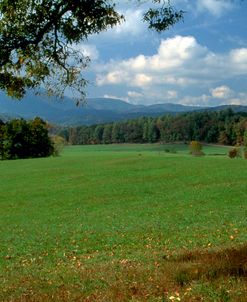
(223, 127)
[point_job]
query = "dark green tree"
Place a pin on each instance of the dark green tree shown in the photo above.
(83, 136)
(17, 139)
(98, 134)
(134, 131)
(22, 139)
(150, 131)
(107, 134)
(40, 144)
(118, 133)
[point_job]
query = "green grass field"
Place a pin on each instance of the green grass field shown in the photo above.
(124, 223)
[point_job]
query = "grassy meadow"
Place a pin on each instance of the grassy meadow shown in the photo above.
(124, 223)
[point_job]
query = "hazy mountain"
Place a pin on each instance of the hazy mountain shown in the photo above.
(109, 104)
(167, 107)
(93, 111)
(235, 108)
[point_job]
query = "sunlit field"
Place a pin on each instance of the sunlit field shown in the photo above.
(124, 223)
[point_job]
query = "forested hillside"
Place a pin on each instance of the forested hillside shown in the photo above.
(224, 127)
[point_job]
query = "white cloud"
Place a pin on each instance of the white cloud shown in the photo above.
(202, 100)
(169, 65)
(131, 25)
(222, 92)
(238, 99)
(141, 80)
(238, 57)
(179, 61)
(180, 65)
(172, 53)
(110, 96)
(214, 7)
(112, 77)
(134, 94)
(171, 94)
(138, 63)
(88, 50)
(235, 101)
(221, 95)
(178, 81)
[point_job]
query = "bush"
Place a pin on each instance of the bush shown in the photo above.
(234, 152)
(58, 144)
(245, 153)
(196, 148)
(245, 144)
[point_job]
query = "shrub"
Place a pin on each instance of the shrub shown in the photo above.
(245, 152)
(196, 148)
(245, 144)
(58, 144)
(234, 152)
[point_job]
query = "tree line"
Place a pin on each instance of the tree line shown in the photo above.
(25, 139)
(35, 138)
(223, 127)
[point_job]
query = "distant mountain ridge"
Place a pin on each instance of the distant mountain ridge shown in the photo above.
(94, 111)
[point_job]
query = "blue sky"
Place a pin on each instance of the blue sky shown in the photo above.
(200, 61)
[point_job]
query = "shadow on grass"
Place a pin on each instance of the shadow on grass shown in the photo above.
(195, 265)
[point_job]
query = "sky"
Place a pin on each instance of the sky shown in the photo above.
(201, 61)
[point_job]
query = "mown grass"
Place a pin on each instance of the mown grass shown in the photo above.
(124, 223)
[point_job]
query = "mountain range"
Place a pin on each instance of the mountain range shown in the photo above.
(92, 111)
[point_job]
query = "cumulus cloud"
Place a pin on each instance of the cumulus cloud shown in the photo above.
(141, 79)
(179, 64)
(173, 57)
(222, 95)
(222, 92)
(179, 61)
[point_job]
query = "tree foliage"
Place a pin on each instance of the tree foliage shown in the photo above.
(24, 139)
(38, 40)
